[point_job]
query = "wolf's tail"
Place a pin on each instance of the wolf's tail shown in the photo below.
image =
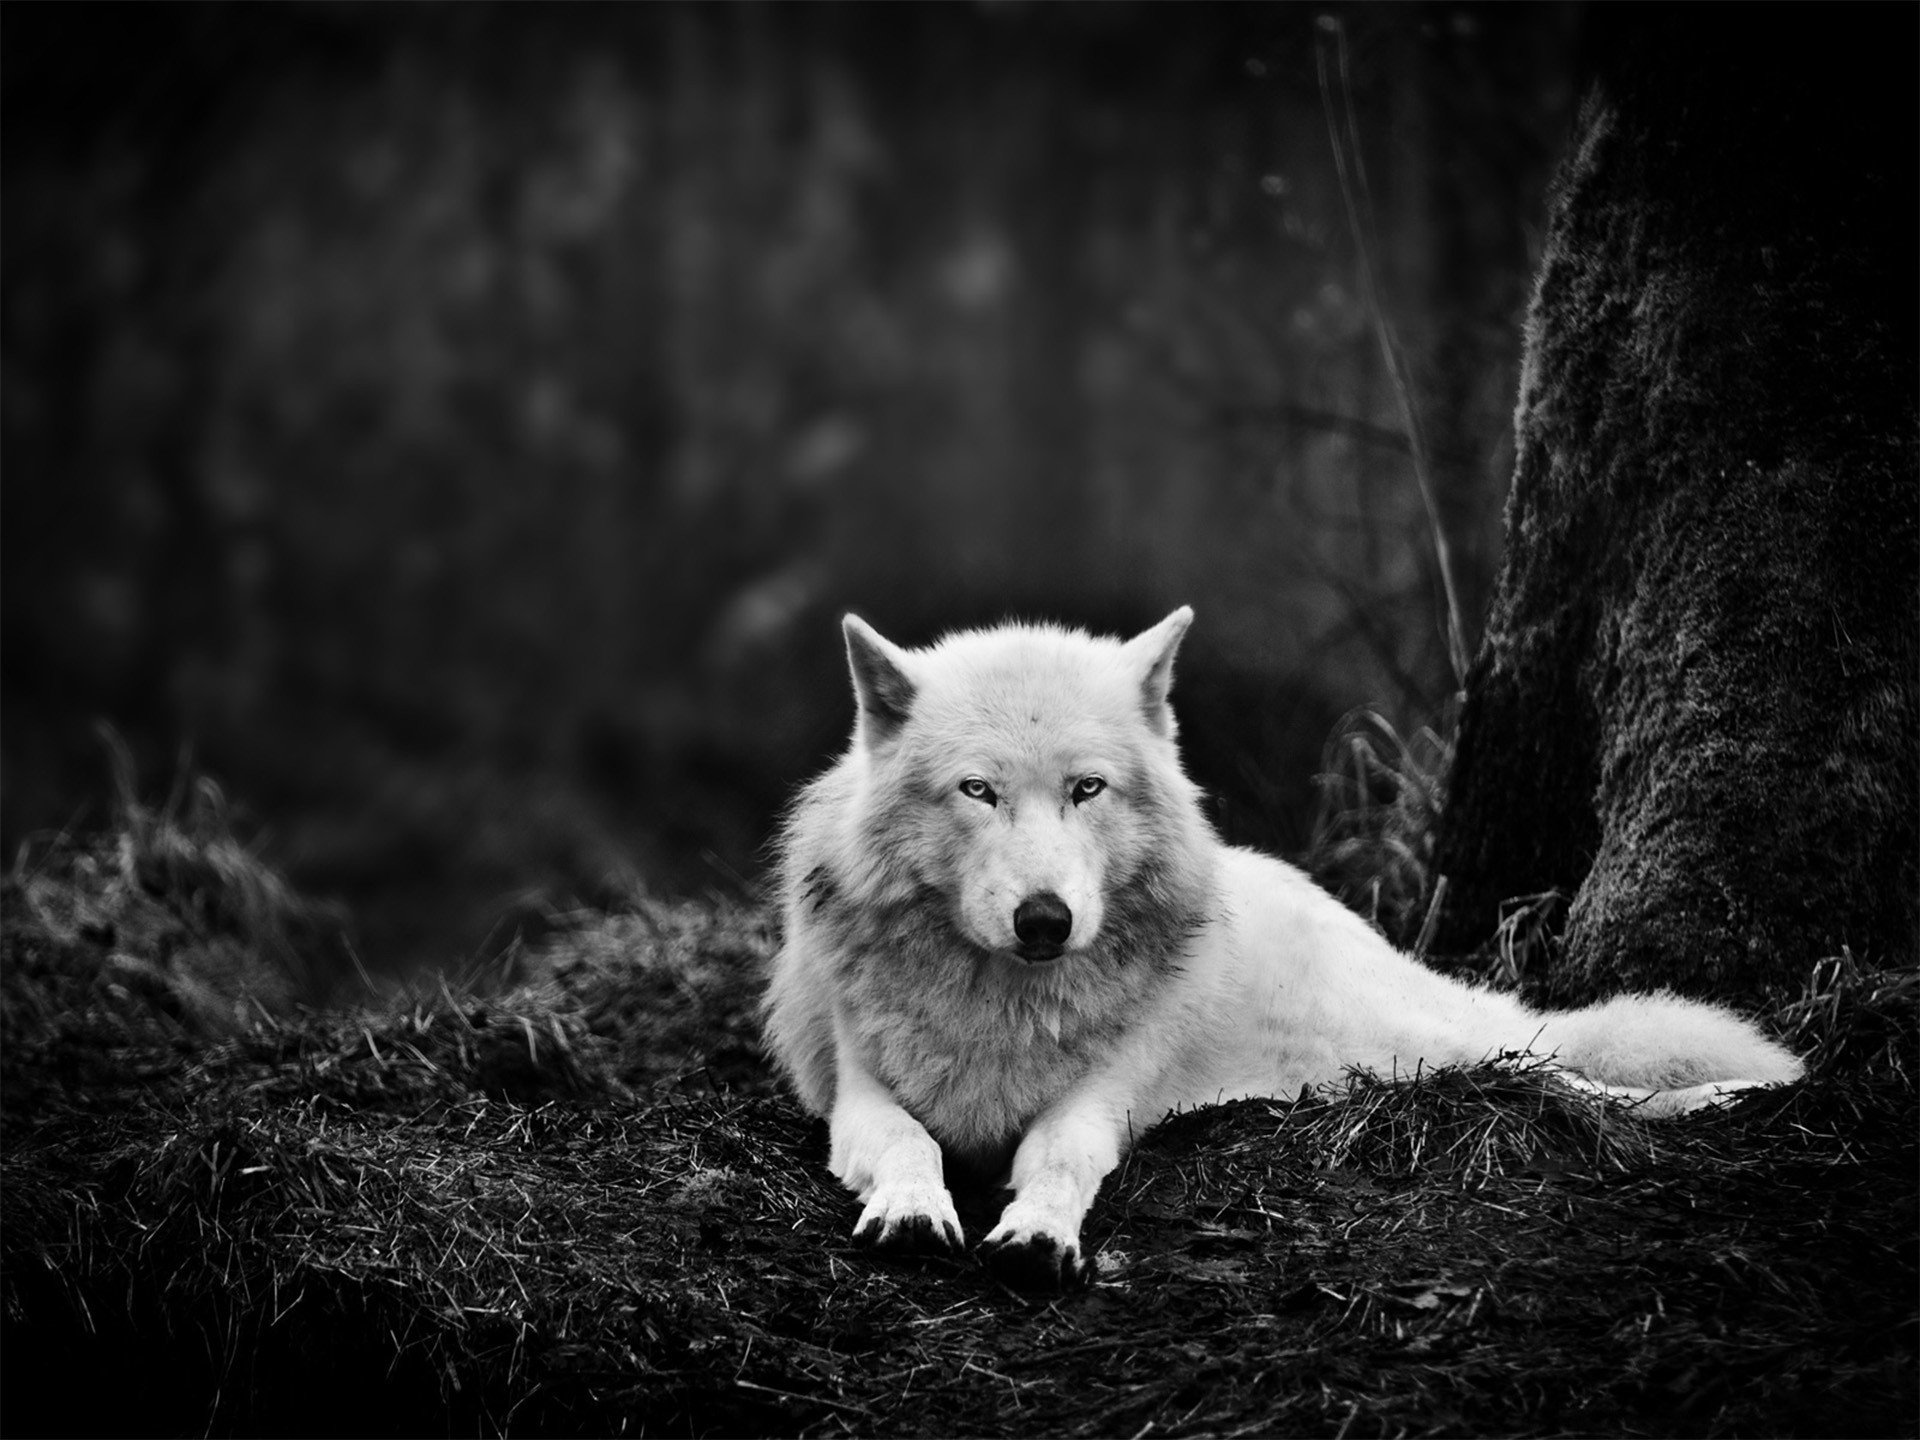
(1662, 1042)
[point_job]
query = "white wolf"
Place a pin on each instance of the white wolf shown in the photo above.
(1011, 933)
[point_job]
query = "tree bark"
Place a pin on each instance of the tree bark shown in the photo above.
(1694, 708)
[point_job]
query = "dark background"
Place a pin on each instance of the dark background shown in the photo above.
(458, 429)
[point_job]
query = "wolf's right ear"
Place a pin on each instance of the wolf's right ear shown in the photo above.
(881, 686)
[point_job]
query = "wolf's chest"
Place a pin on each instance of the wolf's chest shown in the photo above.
(976, 1068)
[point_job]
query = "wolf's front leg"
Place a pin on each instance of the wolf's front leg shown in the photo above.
(888, 1159)
(1056, 1172)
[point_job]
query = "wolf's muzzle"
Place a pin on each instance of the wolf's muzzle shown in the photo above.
(1042, 923)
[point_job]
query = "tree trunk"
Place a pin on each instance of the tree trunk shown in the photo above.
(1694, 709)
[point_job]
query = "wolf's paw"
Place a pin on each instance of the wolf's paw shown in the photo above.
(910, 1219)
(1709, 1096)
(1034, 1260)
(1663, 1104)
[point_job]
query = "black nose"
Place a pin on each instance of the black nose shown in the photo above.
(1041, 924)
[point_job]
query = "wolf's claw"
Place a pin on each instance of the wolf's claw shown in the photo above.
(912, 1224)
(914, 1235)
(1035, 1262)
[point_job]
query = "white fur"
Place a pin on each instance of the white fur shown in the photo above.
(902, 1008)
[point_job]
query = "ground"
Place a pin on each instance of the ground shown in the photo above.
(566, 1196)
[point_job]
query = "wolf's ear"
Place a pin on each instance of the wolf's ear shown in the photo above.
(1151, 653)
(881, 685)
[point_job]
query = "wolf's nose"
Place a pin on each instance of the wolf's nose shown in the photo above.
(1042, 923)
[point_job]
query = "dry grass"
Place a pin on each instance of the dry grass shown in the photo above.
(564, 1198)
(1378, 809)
(128, 948)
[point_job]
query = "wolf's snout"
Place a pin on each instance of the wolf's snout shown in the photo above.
(1041, 924)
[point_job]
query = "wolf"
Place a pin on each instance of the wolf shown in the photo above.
(1013, 942)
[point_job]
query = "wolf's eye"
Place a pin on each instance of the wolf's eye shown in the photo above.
(974, 788)
(1087, 787)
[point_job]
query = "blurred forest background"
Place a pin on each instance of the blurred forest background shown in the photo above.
(458, 429)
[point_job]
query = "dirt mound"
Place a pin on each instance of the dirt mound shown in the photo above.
(564, 1197)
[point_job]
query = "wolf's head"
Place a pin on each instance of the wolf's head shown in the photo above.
(1028, 776)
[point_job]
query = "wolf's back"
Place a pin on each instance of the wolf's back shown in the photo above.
(1663, 1042)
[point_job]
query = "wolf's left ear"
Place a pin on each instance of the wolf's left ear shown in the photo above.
(881, 686)
(1151, 653)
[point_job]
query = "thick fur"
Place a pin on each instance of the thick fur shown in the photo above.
(923, 1003)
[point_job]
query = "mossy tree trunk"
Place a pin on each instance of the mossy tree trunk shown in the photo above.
(1694, 708)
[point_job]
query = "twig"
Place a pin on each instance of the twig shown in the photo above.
(1353, 189)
